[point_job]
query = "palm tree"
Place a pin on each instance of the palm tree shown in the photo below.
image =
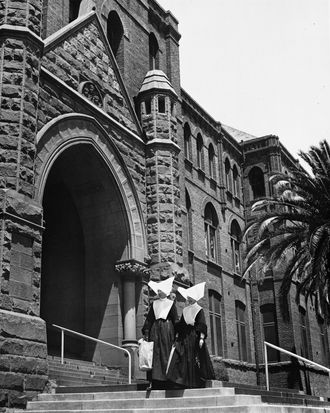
(292, 229)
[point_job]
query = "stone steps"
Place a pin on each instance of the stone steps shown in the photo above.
(207, 400)
(78, 373)
(280, 395)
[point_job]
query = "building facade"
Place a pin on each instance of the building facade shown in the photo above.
(112, 174)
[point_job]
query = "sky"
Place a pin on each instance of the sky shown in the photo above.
(261, 66)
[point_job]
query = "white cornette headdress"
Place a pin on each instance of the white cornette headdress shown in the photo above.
(196, 291)
(165, 286)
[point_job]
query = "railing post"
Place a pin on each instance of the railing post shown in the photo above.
(266, 366)
(62, 346)
(129, 368)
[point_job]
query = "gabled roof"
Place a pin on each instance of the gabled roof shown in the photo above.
(80, 53)
(238, 135)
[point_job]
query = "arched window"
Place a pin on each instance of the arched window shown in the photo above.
(241, 330)
(200, 155)
(187, 141)
(236, 186)
(257, 182)
(215, 323)
(210, 228)
(115, 34)
(227, 175)
(211, 161)
(304, 348)
(153, 52)
(189, 222)
(270, 329)
(74, 9)
(235, 235)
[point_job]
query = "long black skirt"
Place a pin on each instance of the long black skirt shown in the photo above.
(162, 334)
(190, 365)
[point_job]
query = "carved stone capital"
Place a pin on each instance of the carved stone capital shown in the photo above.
(132, 268)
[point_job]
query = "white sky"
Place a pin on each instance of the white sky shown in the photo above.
(261, 66)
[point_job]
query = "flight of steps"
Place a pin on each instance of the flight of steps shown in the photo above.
(220, 399)
(76, 373)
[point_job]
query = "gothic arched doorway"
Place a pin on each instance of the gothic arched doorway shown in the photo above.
(86, 232)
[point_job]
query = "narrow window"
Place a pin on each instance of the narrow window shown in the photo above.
(161, 104)
(215, 323)
(304, 350)
(227, 175)
(210, 228)
(115, 34)
(74, 6)
(324, 341)
(241, 330)
(270, 330)
(235, 239)
(148, 106)
(153, 53)
(189, 222)
(235, 181)
(211, 161)
(199, 146)
(257, 183)
(187, 141)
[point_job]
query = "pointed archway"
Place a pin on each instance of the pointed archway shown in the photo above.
(92, 220)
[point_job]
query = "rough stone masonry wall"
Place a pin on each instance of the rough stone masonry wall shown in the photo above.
(163, 228)
(23, 351)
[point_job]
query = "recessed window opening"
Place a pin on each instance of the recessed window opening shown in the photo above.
(161, 104)
(148, 106)
(74, 6)
(115, 34)
(241, 330)
(216, 323)
(210, 229)
(257, 183)
(200, 160)
(153, 53)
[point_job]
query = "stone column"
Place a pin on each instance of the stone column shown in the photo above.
(131, 273)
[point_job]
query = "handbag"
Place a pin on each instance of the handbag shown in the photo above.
(146, 349)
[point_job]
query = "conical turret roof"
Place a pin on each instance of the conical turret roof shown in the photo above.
(156, 80)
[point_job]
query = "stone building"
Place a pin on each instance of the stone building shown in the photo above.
(111, 173)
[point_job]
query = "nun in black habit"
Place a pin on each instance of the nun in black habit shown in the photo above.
(159, 328)
(190, 364)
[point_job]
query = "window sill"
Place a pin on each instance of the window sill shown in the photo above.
(189, 164)
(213, 183)
(237, 200)
(201, 173)
(214, 264)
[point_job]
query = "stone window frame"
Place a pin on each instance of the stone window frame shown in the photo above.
(153, 52)
(235, 243)
(211, 224)
(200, 151)
(211, 159)
(115, 36)
(304, 336)
(189, 222)
(257, 185)
(187, 141)
(270, 325)
(216, 323)
(242, 330)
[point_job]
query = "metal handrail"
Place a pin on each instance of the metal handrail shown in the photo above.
(63, 329)
(290, 354)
